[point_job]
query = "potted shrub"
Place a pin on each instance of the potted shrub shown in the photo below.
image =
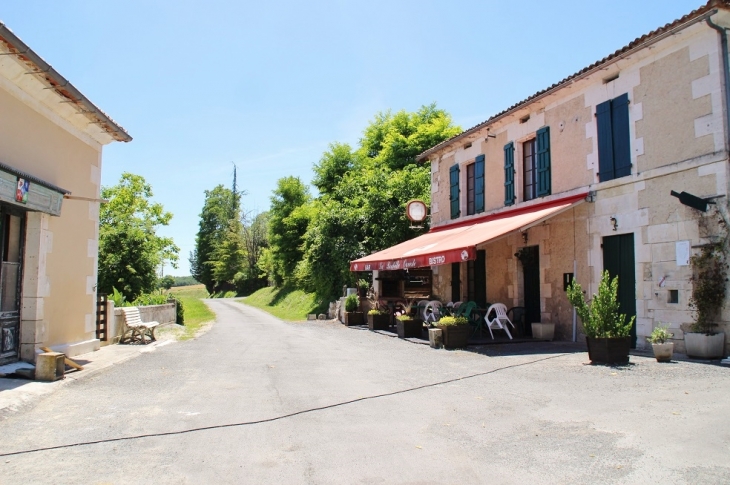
(455, 331)
(663, 349)
(378, 319)
(363, 286)
(352, 316)
(607, 331)
(709, 269)
(409, 327)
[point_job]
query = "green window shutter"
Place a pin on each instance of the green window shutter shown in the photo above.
(543, 161)
(605, 142)
(454, 194)
(509, 173)
(479, 184)
(620, 128)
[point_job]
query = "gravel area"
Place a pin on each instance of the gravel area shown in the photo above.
(258, 400)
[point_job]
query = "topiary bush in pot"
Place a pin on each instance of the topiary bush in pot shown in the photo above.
(352, 316)
(607, 331)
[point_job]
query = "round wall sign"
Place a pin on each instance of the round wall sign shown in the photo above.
(416, 210)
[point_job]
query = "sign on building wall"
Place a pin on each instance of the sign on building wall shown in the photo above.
(20, 191)
(683, 251)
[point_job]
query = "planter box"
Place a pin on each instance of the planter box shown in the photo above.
(455, 336)
(611, 351)
(543, 331)
(354, 318)
(409, 328)
(379, 322)
(663, 352)
(701, 346)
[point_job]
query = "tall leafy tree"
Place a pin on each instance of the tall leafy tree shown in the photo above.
(332, 167)
(256, 241)
(130, 251)
(288, 222)
(363, 193)
(214, 222)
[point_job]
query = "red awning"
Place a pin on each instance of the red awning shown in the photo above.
(459, 243)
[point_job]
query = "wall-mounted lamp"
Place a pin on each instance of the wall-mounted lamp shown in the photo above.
(524, 237)
(614, 223)
(491, 135)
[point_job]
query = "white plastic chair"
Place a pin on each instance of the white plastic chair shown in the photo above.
(500, 321)
(433, 311)
(421, 309)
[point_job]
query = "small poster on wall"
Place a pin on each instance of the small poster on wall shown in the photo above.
(682, 253)
(21, 194)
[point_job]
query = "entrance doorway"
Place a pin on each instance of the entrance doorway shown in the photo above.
(455, 282)
(530, 259)
(477, 279)
(11, 249)
(618, 260)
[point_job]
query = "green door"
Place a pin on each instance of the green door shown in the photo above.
(618, 259)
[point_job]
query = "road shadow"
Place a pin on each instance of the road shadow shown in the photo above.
(525, 347)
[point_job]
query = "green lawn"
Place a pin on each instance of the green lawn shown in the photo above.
(285, 303)
(196, 312)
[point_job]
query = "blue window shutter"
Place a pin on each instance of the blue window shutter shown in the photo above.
(454, 194)
(620, 129)
(509, 173)
(479, 184)
(543, 161)
(605, 142)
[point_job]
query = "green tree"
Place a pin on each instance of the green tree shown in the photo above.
(214, 223)
(361, 207)
(332, 167)
(130, 251)
(166, 282)
(288, 222)
(256, 241)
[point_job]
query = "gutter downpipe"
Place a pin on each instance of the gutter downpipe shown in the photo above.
(723, 41)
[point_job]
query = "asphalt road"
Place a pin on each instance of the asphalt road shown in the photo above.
(258, 400)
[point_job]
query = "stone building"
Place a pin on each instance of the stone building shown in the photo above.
(51, 139)
(578, 177)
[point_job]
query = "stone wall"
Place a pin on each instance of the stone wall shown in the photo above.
(165, 314)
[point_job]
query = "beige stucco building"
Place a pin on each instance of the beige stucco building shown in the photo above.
(51, 140)
(602, 149)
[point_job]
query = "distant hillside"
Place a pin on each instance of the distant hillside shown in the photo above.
(184, 281)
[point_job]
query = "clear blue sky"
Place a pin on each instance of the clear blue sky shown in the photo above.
(269, 84)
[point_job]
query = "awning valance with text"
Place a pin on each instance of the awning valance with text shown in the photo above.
(454, 245)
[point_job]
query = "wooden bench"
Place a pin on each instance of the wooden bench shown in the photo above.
(137, 331)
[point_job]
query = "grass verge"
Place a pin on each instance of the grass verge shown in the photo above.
(285, 303)
(197, 313)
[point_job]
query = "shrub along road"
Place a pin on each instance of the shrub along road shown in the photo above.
(258, 400)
